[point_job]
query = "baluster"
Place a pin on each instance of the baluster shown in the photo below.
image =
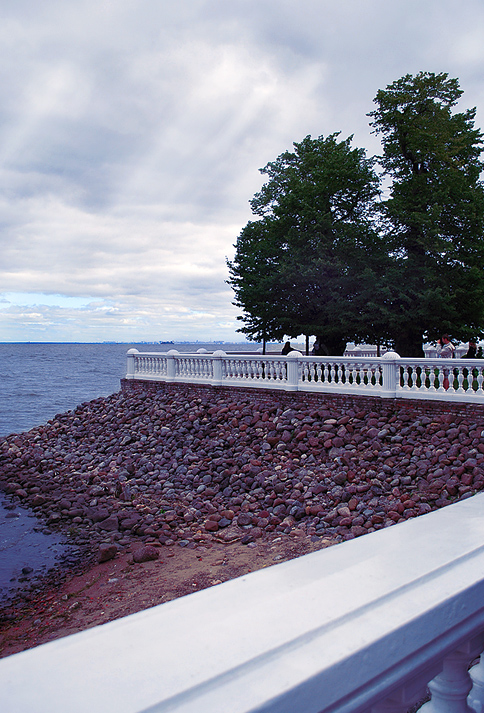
(326, 372)
(460, 379)
(353, 375)
(476, 697)
(406, 377)
(270, 371)
(480, 378)
(337, 373)
(449, 690)
(257, 370)
(332, 373)
(306, 374)
(318, 371)
(418, 375)
(343, 376)
(278, 375)
(440, 379)
(378, 376)
(359, 381)
(238, 370)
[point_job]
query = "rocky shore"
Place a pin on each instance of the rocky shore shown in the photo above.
(164, 467)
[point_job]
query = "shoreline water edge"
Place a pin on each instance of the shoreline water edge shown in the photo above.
(158, 467)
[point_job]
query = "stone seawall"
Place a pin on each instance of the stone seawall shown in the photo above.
(165, 464)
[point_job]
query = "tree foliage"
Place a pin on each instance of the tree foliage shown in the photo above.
(327, 256)
(296, 269)
(435, 212)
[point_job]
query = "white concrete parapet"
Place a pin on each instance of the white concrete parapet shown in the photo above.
(361, 626)
(389, 376)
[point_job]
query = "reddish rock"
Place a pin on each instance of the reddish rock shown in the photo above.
(211, 525)
(146, 554)
(106, 552)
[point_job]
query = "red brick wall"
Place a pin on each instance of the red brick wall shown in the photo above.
(293, 398)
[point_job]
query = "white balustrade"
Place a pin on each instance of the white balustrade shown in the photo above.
(367, 626)
(388, 376)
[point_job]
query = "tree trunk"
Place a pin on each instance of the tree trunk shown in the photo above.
(408, 343)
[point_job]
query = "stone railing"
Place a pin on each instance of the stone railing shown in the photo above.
(369, 625)
(388, 376)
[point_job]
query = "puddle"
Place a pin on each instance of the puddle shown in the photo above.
(26, 551)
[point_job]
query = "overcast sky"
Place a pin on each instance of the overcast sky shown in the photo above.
(132, 131)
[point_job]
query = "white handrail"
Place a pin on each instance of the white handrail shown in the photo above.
(360, 626)
(389, 376)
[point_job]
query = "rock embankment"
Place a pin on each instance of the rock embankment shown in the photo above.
(159, 467)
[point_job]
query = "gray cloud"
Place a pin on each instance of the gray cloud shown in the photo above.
(131, 134)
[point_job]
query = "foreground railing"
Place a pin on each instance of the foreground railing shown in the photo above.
(388, 376)
(363, 626)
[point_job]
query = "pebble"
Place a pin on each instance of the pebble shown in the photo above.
(165, 467)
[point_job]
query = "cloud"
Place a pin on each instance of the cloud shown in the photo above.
(131, 134)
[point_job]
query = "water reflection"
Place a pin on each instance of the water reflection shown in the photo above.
(26, 551)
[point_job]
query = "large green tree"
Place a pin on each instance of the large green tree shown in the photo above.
(325, 257)
(303, 266)
(435, 213)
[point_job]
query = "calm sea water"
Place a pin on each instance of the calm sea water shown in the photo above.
(38, 381)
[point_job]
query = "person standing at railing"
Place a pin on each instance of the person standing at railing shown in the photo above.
(445, 350)
(471, 351)
(471, 354)
(286, 349)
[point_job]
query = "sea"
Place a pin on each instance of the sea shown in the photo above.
(38, 381)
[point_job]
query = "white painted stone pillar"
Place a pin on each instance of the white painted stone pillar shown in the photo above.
(171, 364)
(217, 360)
(390, 374)
(292, 371)
(130, 366)
(476, 696)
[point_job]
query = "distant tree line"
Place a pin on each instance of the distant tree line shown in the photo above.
(386, 250)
